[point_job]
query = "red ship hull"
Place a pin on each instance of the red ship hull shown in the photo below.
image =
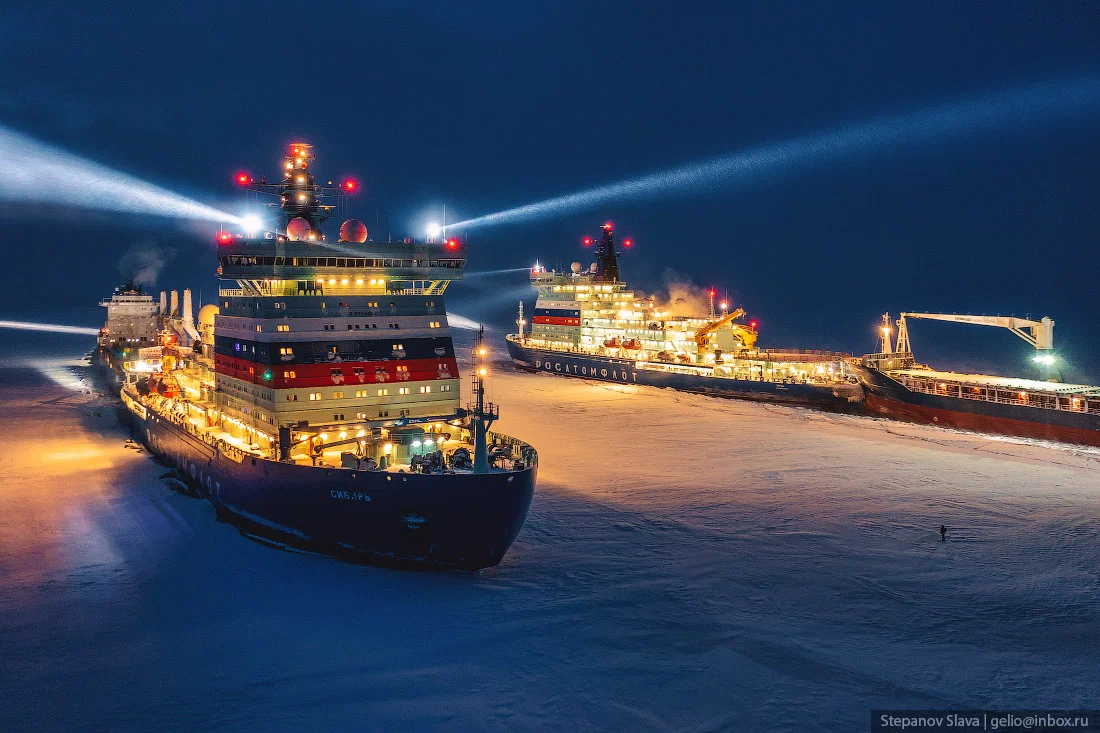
(885, 407)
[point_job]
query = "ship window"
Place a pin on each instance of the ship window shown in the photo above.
(383, 392)
(426, 389)
(404, 413)
(289, 375)
(314, 396)
(445, 388)
(282, 327)
(286, 351)
(259, 327)
(338, 417)
(341, 262)
(292, 398)
(337, 395)
(374, 325)
(402, 390)
(383, 413)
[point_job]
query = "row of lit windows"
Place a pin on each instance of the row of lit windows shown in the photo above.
(249, 261)
(383, 392)
(351, 327)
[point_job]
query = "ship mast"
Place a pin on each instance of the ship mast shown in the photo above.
(606, 255)
(520, 322)
(482, 413)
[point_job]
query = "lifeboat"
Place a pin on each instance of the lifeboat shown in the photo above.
(631, 345)
(613, 343)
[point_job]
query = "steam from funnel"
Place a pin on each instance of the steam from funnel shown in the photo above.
(38, 173)
(1033, 106)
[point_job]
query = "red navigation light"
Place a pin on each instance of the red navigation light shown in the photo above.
(349, 185)
(712, 293)
(452, 243)
(752, 325)
(244, 179)
(608, 226)
(628, 242)
(224, 237)
(587, 241)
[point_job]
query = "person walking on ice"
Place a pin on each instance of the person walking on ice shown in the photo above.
(943, 533)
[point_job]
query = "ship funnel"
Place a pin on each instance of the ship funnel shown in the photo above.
(175, 309)
(187, 321)
(163, 303)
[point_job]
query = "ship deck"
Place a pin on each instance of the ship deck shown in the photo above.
(193, 410)
(986, 380)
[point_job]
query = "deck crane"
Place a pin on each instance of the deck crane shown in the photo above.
(1039, 334)
(748, 335)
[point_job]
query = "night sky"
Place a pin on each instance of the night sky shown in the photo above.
(495, 105)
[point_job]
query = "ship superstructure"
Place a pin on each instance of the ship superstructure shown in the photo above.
(592, 312)
(319, 401)
(132, 319)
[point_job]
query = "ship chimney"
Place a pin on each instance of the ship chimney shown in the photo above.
(163, 303)
(175, 311)
(187, 317)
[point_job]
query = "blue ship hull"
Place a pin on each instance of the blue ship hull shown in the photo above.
(625, 371)
(454, 520)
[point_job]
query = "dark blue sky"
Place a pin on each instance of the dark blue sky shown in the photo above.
(493, 105)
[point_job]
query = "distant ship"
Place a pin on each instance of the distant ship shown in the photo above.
(897, 387)
(317, 405)
(588, 323)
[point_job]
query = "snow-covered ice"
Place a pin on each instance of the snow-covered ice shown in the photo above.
(689, 563)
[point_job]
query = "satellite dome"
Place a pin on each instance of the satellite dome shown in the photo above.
(576, 267)
(207, 313)
(353, 230)
(593, 268)
(298, 228)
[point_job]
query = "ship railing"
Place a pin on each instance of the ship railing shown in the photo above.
(1000, 395)
(231, 292)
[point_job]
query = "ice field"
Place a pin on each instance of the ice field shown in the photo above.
(689, 564)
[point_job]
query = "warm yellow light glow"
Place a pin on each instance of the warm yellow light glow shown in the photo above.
(323, 436)
(344, 281)
(358, 281)
(387, 448)
(361, 433)
(482, 351)
(482, 372)
(332, 281)
(343, 435)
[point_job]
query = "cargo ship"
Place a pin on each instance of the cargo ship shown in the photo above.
(899, 388)
(588, 323)
(317, 404)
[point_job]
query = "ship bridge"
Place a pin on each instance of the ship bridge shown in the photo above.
(282, 266)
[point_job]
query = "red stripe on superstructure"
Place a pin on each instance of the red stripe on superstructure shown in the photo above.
(321, 375)
(556, 321)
